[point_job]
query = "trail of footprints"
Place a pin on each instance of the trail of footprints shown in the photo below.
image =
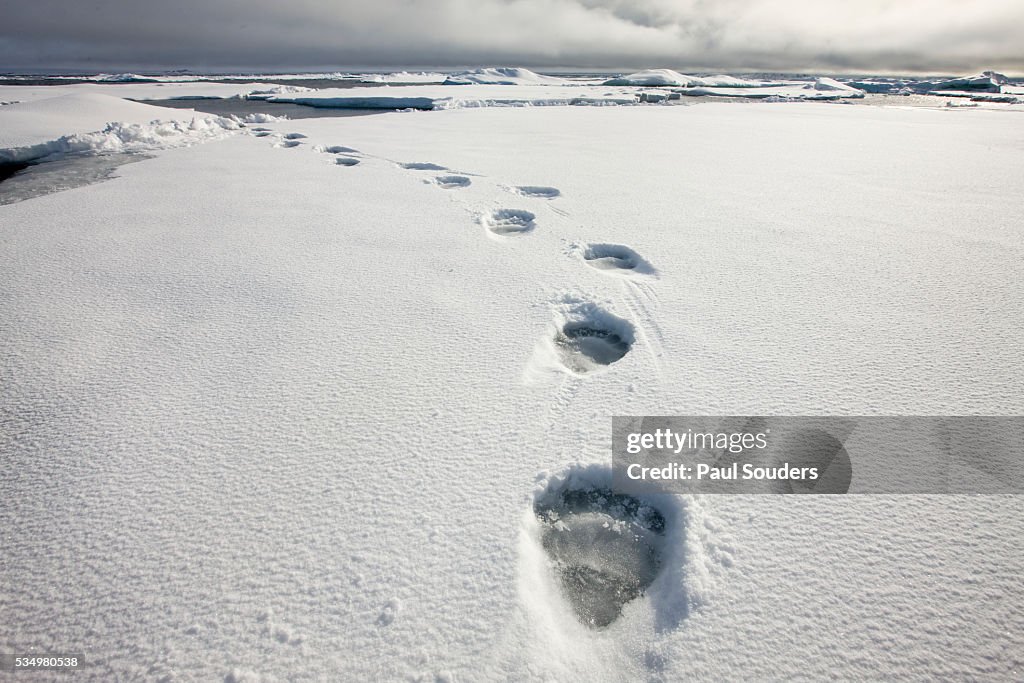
(605, 546)
(584, 344)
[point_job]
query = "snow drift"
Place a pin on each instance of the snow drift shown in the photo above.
(82, 123)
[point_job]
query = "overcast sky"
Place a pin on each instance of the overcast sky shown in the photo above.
(939, 36)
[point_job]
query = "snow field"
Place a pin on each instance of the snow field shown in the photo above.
(347, 406)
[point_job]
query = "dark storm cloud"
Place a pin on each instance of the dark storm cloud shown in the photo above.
(867, 35)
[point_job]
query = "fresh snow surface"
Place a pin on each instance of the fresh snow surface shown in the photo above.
(268, 416)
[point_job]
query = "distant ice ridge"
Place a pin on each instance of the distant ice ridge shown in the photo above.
(987, 81)
(668, 77)
(984, 87)
(128, 137)
(505, 75)
(192, 78)
(978, 84)
(122, 78)
(405, 77)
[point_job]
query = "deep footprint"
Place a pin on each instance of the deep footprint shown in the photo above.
(605, 547)
(615, 257)
(339, 149)
(294, 136)
(509, 222)
(590, 345)
(290, 143)
(422, 166)
(537, 191)
(450, 182)
(346, 161)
